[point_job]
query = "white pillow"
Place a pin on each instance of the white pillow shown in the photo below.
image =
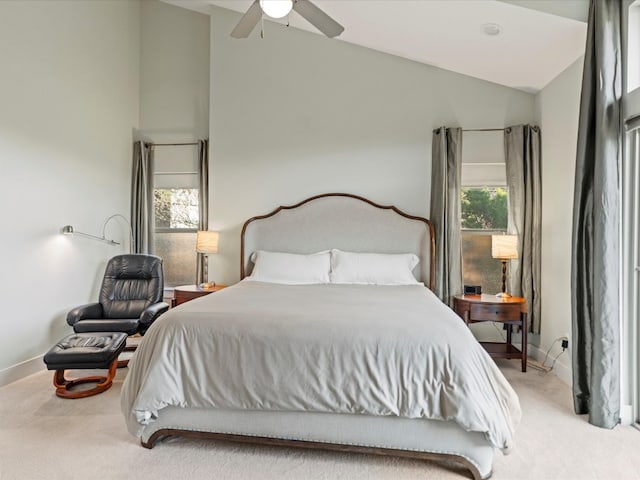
(290, 268)
(373, 268)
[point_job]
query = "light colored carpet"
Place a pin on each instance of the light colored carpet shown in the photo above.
(45, 437)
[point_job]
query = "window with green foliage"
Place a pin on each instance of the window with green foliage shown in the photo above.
(484, 211)
(176, 209)
(484, 208)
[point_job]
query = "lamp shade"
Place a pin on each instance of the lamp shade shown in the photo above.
(276, 8)
(504, 247)
(207, 242)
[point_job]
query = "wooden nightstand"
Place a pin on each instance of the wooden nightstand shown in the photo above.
(184, 293)
(489, 308)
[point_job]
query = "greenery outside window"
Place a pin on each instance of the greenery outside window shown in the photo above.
(484, 211)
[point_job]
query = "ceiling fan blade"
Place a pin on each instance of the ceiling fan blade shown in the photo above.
(248, 21)
(318, 18)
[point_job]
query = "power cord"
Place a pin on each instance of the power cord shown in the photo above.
(547, 368)
(543, 367)
(555, 358)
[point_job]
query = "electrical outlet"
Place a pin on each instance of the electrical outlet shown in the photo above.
(565, 343)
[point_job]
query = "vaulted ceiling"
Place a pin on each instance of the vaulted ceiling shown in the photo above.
(538, 39)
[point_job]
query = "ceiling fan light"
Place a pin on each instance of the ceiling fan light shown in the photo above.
(276, 8)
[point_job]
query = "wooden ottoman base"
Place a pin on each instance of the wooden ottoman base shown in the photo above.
(64, 385)
(85, 351)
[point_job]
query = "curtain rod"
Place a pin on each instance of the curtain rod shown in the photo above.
(483, 129)
(169, 144)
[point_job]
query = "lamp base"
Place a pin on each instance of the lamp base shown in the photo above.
(208, 285)
(503, 295)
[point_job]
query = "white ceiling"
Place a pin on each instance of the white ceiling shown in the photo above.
(533, 48)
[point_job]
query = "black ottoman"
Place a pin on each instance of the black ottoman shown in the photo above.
(85, 351)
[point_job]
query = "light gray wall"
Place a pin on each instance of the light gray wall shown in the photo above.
(557, 107)
(174, 74)
(575, 9)
(296, 114)
(292, 115)
(174, 102)
(68, 102)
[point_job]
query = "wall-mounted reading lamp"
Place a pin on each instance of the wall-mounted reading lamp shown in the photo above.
(69, 230)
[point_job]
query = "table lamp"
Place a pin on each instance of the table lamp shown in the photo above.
(504, 247)
(206, 242)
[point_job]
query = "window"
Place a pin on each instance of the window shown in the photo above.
(630, 258)
(484, 212)
(176, 208)
(633, 47)
(632, 98)
(484, 203)
(176, 212)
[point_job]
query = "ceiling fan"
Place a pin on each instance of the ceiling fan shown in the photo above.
(281, 8)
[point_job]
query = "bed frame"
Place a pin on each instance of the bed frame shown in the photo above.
(343, 221)
(351, 223)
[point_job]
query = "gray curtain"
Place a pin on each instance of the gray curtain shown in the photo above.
(595, 248)
(524, 180)
(203, 185)
(142, 198)
(446, 167)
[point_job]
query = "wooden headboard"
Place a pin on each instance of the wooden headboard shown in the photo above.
(343, 221)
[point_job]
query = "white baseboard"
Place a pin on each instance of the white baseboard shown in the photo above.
(565, 374)
(626, 415)
(21, 370)
(561, 371)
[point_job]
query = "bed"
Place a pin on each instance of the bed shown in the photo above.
(346, 365)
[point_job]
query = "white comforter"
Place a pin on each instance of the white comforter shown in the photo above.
(359, 349)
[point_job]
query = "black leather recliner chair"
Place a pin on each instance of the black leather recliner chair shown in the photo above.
(130, 297)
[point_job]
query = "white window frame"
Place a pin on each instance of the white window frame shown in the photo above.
(629, 218)
(483, 165)
(177, 170)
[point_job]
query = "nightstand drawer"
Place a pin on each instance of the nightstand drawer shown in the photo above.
(494, 313)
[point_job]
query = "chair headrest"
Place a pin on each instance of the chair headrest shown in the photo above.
(134, 267)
